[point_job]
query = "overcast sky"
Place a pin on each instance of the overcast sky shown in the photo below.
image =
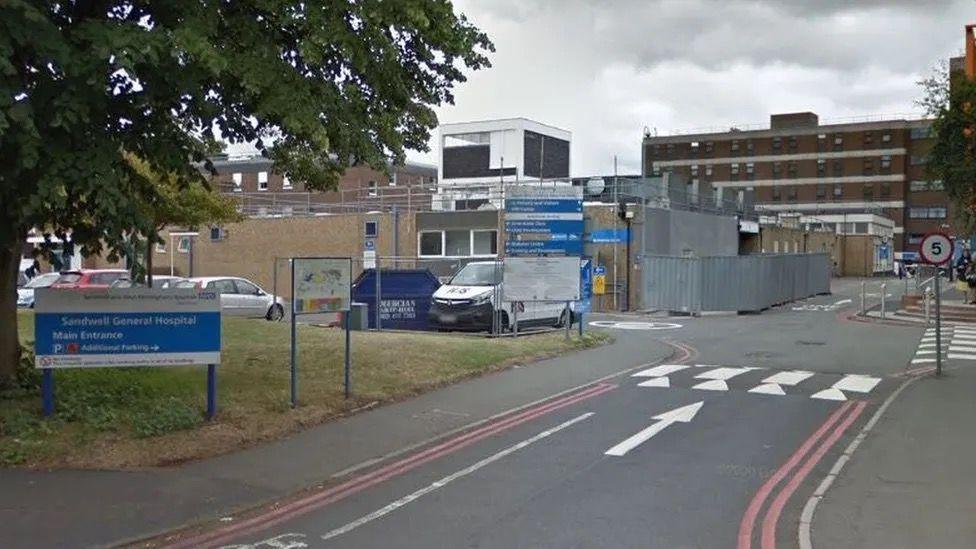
(606, 69)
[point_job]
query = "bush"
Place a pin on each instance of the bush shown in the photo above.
(165, 416)
(28, 377)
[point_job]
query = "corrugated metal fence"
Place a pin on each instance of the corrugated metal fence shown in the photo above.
(732, 283)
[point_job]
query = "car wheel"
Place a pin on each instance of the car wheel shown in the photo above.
(276, 313)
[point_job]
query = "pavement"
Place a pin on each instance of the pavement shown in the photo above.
(719, 431)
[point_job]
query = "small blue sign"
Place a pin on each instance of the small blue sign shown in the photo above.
(543, 205)
(369, 245)
(516, 226)
(585, 304)
(608, 236)
(600, 270)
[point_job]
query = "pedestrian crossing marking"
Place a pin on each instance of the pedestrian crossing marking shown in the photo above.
(768, 389)
(656, 382)
(830, 394)
(788, 378)
(662, 370)
(712, 385)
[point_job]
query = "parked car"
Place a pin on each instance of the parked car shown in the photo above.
(90, 278)
(239, 296)
(468, 300)
(25, 294)
(162, 282)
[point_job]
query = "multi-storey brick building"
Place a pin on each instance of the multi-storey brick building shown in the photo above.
(263, 191)
(797, 165)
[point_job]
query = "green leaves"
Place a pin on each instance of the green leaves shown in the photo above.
(952, 159)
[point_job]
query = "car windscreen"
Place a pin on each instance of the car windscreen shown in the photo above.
(43, 281)
(184, 284)
(69, 278)
(478, 274)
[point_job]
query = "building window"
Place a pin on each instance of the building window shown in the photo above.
(656, 171)
(262, 181)
(750, 170)
(484, 242)
(431, 243)
(695, 145)
(735, 145)
(777, 144)
(708, 170)
(868, 191)
(868, 166)
(918, 160)
(161, 247)
(467, 139)
(921, 212)
(286, 183)
(749, 147)
(370, 229)
(791, 192)
(457, 243)
(821, 168)
(922, 133)
(838, 190)
(821, 191)
(777, 170)
(938, 213)
(860, 227)
(838, 142)
(886, 163)
(885, 189)
(669, 149)
(837, 168)
(238, 178)
(886, 138)
(791, 170)
(792, 143)
(821, 141)
(694, 170)
(734, 171)
(371, 189)
(709, 146)
(915, 238)
(868, 139)
(776, 193)
(216, 234)
(183, 245)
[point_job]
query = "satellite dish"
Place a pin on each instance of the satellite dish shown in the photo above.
(595, 186)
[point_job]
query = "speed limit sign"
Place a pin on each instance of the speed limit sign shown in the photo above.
(936, 248)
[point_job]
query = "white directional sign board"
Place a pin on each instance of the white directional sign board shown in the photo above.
(541, 279)
(935, 248)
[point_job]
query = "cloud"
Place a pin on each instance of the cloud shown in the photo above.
(605, 70)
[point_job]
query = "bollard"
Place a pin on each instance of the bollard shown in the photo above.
(863, 311)
(884, 288)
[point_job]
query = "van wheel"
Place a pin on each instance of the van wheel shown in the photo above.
(503, 321)
(564, 318)
(275, 313)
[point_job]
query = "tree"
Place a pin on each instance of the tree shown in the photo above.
(315, 85)
(950, 98)
(191, 205)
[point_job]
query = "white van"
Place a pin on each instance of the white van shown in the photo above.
(467, 301)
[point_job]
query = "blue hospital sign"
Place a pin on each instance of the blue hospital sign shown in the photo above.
(126, 327)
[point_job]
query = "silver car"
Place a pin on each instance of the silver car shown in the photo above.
(25, 293)
(239, 296)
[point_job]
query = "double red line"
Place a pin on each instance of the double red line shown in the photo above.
(840, 420)
(327, 496)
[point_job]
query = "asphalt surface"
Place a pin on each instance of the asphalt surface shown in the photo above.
(726, 459)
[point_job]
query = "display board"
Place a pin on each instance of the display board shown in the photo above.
(322, 284)
(541, 279)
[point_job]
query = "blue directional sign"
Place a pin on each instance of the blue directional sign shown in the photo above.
(585, 304)
(126, 327)
(608, 236)
(555, 214)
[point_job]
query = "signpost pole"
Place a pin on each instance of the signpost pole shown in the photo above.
(348, 384)
(569, 319)
(47, 391)
(294, 354)
(211, 391)
(938, 326)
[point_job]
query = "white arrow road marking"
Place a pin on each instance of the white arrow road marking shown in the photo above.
(830, 394)
(725, 372)
(662, 370)
(713, 385)
(962, 357)
(683, 414)
(452, 477)
(788, 378)
(662, 381)
(857, 383)
(768, 389)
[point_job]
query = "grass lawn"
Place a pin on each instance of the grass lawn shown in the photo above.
(136, 417)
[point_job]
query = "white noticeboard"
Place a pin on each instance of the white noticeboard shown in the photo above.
(322, 284)
(541, 279)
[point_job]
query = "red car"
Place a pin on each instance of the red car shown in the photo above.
(90, 278)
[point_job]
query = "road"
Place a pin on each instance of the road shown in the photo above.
(720, 447)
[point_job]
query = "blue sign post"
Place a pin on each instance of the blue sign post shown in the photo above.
(544, 221)
(126, 327)
(585, 304)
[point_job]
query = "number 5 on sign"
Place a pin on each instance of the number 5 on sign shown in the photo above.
(935, 248)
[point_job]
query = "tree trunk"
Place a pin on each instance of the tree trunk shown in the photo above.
(149, 258)
(9, 344)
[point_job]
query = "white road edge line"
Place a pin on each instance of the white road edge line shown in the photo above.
(450, 478)
(806, 517)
